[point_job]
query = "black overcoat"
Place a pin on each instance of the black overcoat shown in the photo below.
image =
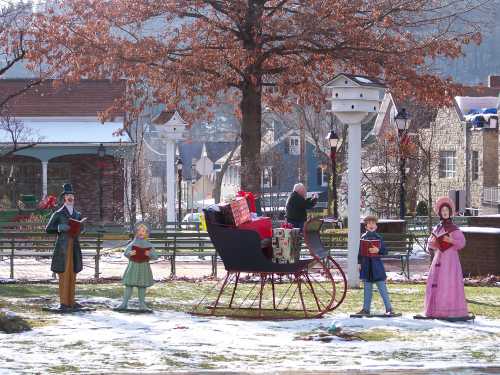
(62, 216)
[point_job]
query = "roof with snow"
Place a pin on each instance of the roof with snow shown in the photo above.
(52, 131)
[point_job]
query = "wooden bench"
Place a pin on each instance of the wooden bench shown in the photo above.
(40, 245)
(399, 246)
(170, 245)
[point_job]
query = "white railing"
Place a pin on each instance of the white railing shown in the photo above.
(491, 195)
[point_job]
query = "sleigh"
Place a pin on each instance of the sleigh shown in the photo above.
(257, 288)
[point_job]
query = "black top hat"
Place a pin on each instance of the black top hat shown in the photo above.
(67, 189)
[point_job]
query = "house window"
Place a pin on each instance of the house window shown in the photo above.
(294, 145)
(267, 177)
(447, 164)
(321, 177)
(475, 165)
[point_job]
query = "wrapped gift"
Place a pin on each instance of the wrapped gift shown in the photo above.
(286, 245)
(262, 225)
(236, 212)
(250, 199)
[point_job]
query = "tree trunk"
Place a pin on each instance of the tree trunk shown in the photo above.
(251, 110)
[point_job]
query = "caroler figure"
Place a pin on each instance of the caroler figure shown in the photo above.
(444, 294)
(138, 272)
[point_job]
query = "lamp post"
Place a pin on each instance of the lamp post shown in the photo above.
(101, 153)
(334, 142)
(354, 99)
(402, 121)
(179, 190)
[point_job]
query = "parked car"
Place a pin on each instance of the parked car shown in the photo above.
(192, 217)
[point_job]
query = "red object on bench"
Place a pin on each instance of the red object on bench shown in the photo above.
(262, 225)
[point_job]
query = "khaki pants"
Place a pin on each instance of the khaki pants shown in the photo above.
(67, 279)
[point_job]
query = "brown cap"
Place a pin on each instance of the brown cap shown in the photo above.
(370, 218)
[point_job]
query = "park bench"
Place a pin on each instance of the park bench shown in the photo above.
(170, 245)
(39, 244)
(399, 246)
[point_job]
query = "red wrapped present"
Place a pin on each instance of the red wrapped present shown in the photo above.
(262, 225)
(235, 212)
(250, 199)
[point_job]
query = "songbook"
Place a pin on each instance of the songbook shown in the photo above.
(443, 245)
(140, 254)
(75, 226)
(366, 245)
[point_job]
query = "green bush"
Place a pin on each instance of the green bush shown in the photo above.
(422, 209)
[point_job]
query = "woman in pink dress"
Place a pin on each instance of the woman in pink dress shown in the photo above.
(444, 294)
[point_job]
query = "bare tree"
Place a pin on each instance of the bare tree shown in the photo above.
(316, 125)
(380, 177)
(426, 159)
(14, 137)
(15, 19)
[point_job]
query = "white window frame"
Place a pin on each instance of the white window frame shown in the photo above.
(294, 145)
(475, 165)
(267, 177)
(447, 164)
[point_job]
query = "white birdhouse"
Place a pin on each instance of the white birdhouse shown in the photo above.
(354, 98)
(171, 125)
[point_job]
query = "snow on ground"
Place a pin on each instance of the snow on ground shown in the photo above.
(107, 341)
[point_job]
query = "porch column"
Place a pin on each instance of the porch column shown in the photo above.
(127, 189)
(44, 178)
(170, 175)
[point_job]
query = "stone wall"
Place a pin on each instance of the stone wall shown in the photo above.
(476, 186)
(448, 134)
(490, 158)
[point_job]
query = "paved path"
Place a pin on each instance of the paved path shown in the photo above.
(113, 267)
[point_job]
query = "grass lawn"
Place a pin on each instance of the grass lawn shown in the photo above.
(182, 295)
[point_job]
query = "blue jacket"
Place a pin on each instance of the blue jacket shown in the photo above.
(372, 268)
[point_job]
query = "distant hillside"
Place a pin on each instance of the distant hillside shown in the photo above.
(479, 62)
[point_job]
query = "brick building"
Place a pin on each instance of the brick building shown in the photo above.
(466, 148)
(64, 135)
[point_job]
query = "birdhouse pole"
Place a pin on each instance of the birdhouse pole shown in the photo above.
(354, 99)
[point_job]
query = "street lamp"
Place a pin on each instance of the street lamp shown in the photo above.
(354, 99)
(179, 189)
(334, 142)
(101, 153)
(402, 121)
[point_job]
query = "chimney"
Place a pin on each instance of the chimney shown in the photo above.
(494, 81)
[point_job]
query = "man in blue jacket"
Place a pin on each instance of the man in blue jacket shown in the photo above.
(372, 269)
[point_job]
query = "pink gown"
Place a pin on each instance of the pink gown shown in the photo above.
(444, 294)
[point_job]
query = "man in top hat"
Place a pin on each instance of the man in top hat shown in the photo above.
(67, 256)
